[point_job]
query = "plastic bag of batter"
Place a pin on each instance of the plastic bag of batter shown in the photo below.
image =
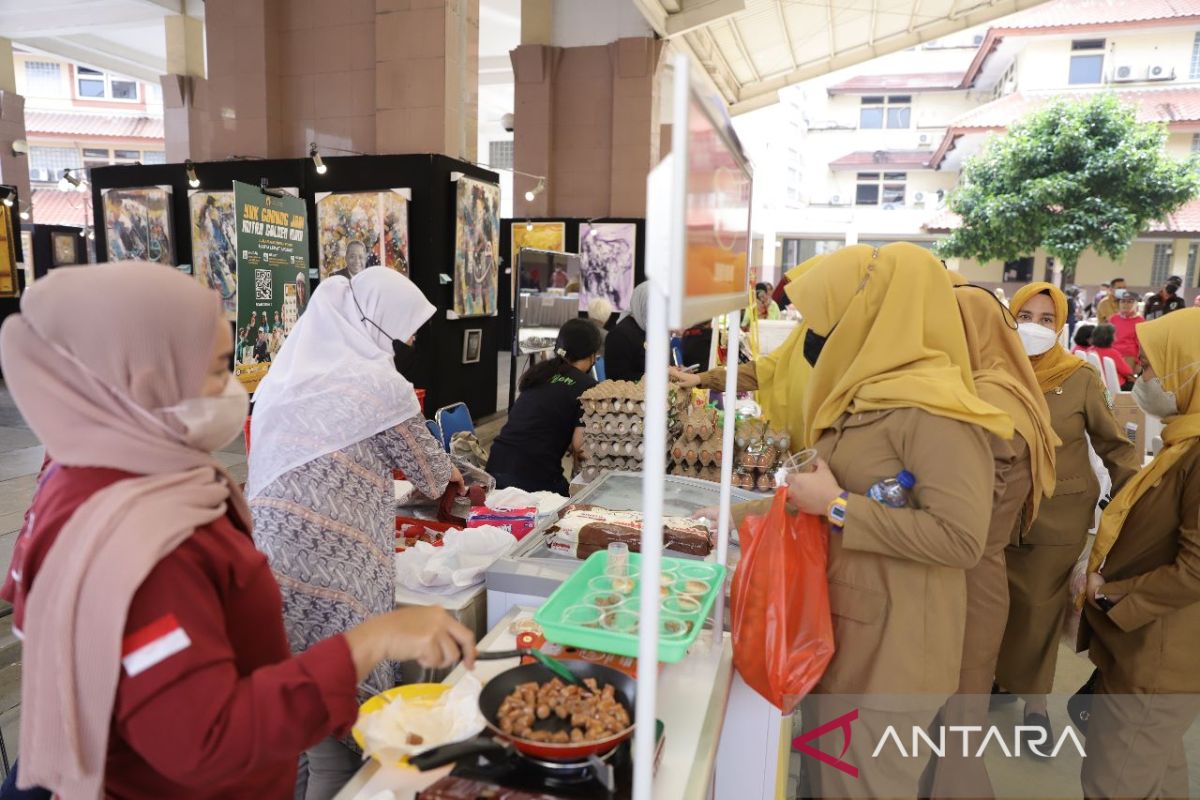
(782, 629)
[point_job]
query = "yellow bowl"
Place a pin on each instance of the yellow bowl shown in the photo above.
(419, 693)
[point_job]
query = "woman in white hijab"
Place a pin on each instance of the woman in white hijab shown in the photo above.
(625, 346)
(333, 418)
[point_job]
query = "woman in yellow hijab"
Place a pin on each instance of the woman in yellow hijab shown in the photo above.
(892, 392)
(1141, 623)
(1040, 559)
(1024, 474)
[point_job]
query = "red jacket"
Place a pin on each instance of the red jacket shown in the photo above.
(1126, 342)
(223, 710)
(1124, 371)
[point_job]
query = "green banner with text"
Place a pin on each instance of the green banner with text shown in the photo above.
(272, 267)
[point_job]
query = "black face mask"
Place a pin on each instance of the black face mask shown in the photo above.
(403, 356)
(813, 343)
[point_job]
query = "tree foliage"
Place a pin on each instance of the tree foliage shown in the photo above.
(1079, 173)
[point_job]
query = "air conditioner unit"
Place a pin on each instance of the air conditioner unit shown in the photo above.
(835, 200)
(42, 175)
(919, 197)
(925, 139)
(1124, 74)
(1160, 72)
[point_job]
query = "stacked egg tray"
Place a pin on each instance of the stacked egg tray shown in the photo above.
(614, 426)
(760, 450)
(697, 451)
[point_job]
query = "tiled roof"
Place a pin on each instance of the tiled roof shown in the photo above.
(913, 159)
(1185, 220)
(1178, 107)
(1081, 13)
(111, 126)
(52, 207)
(1077, 16)
(918, 81)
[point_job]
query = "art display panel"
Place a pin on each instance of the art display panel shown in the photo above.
(607, 252)
(357, 230)
(137, 224)
(477, 244)
(538, 236)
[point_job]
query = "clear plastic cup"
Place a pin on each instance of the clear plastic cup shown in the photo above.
(700, 572)
(681, 605)
(606, 583)
(620, 620)
(604, 600)
(802, 461)
(691, 587)
(617, 565)
(584, 616)
(673, 628)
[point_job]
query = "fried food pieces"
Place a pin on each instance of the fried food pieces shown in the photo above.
(594, 713)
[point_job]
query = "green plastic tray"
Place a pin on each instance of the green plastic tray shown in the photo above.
(576, 591)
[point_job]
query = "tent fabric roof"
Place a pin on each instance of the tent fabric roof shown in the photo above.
(919, 81)
(753, 48)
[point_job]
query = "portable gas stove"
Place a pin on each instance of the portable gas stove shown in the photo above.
(513, 776)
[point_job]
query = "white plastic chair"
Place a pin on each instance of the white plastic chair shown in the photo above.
(1094, 360)
(1081, 355)
(1110, 375)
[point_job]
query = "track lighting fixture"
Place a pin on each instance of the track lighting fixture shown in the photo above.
(536, 190)
(316, 157)
(193, 181)
(68, 181)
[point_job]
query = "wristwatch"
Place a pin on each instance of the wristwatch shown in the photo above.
(836, 513)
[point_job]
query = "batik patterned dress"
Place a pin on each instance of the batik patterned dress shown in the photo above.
(328, 530)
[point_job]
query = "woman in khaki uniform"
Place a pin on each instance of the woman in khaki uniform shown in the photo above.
(891, 390)
(1024, 474)
(1141, 624)
(1040, 561)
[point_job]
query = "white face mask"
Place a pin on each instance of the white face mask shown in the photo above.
(1035, 338)
(213, 422)
(1152, 398)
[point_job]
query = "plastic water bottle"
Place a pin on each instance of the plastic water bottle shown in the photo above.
(893, 492)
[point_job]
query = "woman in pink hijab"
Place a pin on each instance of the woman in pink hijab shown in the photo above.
(155, 658)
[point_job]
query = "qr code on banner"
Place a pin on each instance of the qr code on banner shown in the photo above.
(262, 284)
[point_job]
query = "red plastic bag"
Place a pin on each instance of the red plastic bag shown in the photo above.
(782, 629)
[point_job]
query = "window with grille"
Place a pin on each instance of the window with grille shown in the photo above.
(154, 157)
(500, 154)
(43, 79)
(92, 84)
(1195, 71)
(891, 111)
(880, 188)
(1160, 268)
(1190, 280)
(47, 163)
(1196, 142)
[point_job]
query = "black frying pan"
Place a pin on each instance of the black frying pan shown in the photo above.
(501, 686)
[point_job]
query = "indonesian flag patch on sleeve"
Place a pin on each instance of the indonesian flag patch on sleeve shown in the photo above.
(152, 644)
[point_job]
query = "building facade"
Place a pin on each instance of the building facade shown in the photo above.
(882, 146)
(76, 118)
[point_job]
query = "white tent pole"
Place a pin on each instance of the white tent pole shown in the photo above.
(653, 470)
(733, 342)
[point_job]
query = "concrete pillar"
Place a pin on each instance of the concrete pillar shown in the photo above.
(537, 22)
(427, 77)
(183, 121)
(587, 119)
(1179, 257)
(14, 169)
(369, 76)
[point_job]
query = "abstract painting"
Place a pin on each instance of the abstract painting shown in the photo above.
(539, 236)
(137, 224)
(362, 229)
(477, 248)
(607, 251)
(214, 249)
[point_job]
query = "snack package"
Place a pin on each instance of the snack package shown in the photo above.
(517, 521)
